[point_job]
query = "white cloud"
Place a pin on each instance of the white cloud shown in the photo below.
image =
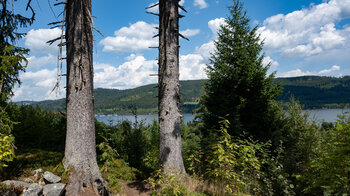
(200, 3)
(137, 69)
(37, 86)
(307, 32)
(328, 71)
(215, 24)
(274, 64)
(206, 49)
(329, 38)
(190, 32)
(192, 67)
(42, 78)
(182, 2)
(298, 72)
(34, 61)
(134, 38)
(135, 72)
(36, 40)
(294, 73)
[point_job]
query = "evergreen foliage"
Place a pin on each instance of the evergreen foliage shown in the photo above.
(329, 172)
(12, 58)
(37, 128)
(238, 88)
(7, 148)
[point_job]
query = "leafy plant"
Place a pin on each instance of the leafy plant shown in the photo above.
(7, 148)
(169, 183)
(331, 168)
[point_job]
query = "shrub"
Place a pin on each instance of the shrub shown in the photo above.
(7, 148)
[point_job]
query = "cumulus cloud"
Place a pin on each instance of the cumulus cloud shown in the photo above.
(274, 64)
(298, 72)
(190, 32)
(34, 61)
(137, 69)
(135, 72)
(328, 71)
(307, 32)
(134, 38)
(192, 67)
(206, 49)
(37, 86)
(36, 40)
(200, 3)
(215, 24)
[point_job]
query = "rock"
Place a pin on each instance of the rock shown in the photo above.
(51, 178)
(7, 192)
(16, 184)
(54, 189)
(41, 182)
(37, 173)
(28, 180)
(33, 190)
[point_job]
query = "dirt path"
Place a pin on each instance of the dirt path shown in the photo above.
(131, 188)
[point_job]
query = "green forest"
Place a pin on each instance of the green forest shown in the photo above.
(251, 136)
(312, 92)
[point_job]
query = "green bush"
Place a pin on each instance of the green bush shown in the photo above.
(37, 128)
(330, 169)
(7, 149)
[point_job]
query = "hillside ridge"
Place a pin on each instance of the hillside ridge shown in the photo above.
(310, 91)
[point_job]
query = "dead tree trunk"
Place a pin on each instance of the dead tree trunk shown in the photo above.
(80, 152)
(170, 144)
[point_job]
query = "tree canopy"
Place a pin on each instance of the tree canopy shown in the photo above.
(239, 88)
(12, 57)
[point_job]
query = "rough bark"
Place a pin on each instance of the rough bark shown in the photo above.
(80, 151)
(170, 144)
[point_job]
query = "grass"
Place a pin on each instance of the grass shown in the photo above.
(26, 162)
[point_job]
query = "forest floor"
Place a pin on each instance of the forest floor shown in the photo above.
(131, 188)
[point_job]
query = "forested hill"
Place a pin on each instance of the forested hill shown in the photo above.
(311, 91)
(316, 91)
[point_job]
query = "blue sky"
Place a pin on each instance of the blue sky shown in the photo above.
(304, 37)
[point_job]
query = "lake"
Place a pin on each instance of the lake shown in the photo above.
(328, 115)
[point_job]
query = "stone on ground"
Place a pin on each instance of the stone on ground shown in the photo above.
(54, 189)
(16, 184)
(51, 178)
(33, 190)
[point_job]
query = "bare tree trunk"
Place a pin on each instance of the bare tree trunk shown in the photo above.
(170, 144)
(80, 152)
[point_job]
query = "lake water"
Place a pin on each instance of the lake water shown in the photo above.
(328, 115)
(145, 118)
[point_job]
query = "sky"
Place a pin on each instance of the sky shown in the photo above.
(303, 37)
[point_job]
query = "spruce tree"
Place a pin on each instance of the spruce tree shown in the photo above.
(239, 88)
(11, 56)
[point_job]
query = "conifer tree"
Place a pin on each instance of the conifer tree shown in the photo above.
(11, 56)
(239, 88)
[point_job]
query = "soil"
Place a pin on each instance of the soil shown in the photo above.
(131, 188)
